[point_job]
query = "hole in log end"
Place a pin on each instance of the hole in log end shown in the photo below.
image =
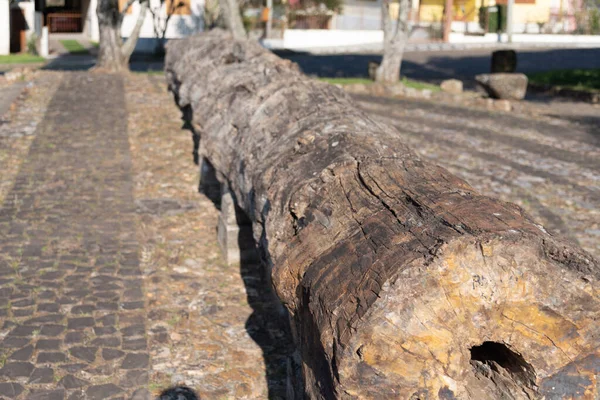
(504, 367)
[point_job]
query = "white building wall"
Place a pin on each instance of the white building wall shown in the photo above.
(28, 9)
(91, 22)
(359, 15)
(299, 39)
(179, 25)
(4, 27)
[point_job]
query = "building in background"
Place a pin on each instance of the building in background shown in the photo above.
(530, 16)
(59, 17)
(187, 19)
(4, 27)
(304, 24)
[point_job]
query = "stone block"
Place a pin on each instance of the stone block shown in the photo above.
(502, 105)
(452, 86)
(234, 231)
(503, 86)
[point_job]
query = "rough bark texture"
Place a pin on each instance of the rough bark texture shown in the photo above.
(233, 18)
(401, 280)
(129, 44)
(109, 24)
(394, 41)
(113, 54)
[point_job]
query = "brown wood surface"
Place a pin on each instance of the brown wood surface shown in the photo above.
(401, 280)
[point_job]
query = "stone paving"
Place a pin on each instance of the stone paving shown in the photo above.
(9, 95)
(111, 281)
(18, 125)
(73, 317)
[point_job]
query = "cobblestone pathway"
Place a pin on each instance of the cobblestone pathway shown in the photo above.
(72, 317)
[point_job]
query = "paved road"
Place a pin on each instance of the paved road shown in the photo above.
(71, 301)
(439, 65)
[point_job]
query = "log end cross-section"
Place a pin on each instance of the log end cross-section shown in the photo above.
(401, 281)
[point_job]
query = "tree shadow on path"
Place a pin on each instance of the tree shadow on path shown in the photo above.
(269, 323)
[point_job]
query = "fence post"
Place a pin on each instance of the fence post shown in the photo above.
(509, 19)
(44, 42)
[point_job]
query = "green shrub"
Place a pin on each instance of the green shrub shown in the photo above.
(493, 17)
(32, 44)
(594, 21)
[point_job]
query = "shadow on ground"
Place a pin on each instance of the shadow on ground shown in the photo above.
(86, 61)
(269, 323)
(434, 67)
(589, 123)
(428, 66)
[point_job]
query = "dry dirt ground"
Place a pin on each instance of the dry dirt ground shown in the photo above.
(90, 311)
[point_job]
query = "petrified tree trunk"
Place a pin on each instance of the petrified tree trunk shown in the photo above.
(394, 41)
(401, 280)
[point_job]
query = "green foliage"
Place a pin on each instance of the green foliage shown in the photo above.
(493, 18)
(251, 23)
(32, 45)
(346, 81)
(366, 81)
(587, 79)
(22, 58)
(73, 46)
(588, 20)
(594, 21)
(331, 5)
(419, 85)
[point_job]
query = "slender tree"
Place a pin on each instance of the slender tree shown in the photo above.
(232, 17)
(395, 36)
(114, 53)
(161, 22)
(212, 15)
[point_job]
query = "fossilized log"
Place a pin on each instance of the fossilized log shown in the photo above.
(401, 280)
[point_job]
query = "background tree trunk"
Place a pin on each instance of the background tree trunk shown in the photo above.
(113, 54)
(129, 45)
(394, 41)
(109, 23)
(232, 17)
(401, 280)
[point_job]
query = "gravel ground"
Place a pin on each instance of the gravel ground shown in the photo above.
(547, 161)
(212, 326)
